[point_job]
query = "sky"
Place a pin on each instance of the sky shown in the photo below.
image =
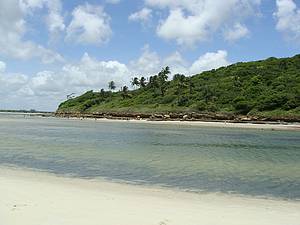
(51, 48)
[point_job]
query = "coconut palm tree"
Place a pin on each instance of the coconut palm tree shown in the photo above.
(163, 74)
(162, 78)
(111, 85)
(143, 82)
(135, 82)
(124, 92)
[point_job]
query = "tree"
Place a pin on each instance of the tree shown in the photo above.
(70, 96)
(162, 79)
(143, 82)
(180, 80)
(191, 85)
(102, 93)
(153, 82)
(163, 74)
(111, 85)
(135, 82)
(124, 92)
(179, 77)
(207, 93)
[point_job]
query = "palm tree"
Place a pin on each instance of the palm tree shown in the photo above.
(150, 83)
(135, 82)
(70, 96)
(179, 77)
(124, 92)
(143, 82)
(153, 81)
(162, 78)
(111, 85)
(102, 93)
(163, 74)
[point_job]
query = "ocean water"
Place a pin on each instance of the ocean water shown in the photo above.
(250, 162)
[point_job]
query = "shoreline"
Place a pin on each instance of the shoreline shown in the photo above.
(207, 124)
(263, 125)
(34, 198)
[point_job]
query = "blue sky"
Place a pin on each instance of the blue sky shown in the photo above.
(49, 48)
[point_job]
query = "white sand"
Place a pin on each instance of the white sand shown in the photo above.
(266, 126)
(31, 198)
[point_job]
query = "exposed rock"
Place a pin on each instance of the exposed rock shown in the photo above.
(167, 117)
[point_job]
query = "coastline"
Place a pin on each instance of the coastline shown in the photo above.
(34, 198)
(247, 124)
(206, 124)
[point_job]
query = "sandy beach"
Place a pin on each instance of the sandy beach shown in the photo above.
(35, 198)
(262, 126)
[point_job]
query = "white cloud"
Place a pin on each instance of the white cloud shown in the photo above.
(10, 84)
(210, 60)
(89, 25)
(288, 19)
(237, 32)
(176, 62)
(192, 21)
(144, 15)
(95, 74)
(46, 89)
(54, 19)
(147, 63)
(2, 67)
(13, 29)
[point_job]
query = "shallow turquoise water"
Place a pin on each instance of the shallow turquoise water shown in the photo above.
(242, 161)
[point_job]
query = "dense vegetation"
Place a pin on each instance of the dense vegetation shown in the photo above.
(268, 87)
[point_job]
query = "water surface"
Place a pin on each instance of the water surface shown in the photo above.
(241, 161)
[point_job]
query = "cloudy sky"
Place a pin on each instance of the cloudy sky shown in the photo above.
(50, 48)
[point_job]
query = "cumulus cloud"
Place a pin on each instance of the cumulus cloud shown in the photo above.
(143, 16)
(147, 63)
(2, 67)
(192, 21)
(54, 19)
(96, 74)
(237, 32)
(10, 84)
(13, 29)
(46, 89)
(90, 25)
(288, 19)
(177, 63)
(210, 60)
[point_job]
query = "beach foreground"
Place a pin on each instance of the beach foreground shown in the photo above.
(34, 198)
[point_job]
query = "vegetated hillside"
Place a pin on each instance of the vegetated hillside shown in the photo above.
(269, 88)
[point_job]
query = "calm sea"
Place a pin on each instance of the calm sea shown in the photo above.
(240, 161)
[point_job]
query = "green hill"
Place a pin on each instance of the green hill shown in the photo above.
(267, 88)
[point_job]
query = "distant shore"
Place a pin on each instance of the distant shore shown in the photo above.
(219, 124)
(257, 124)
(34, 198)
(183, 116)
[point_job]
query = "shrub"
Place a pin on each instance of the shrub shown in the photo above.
(201, 106)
